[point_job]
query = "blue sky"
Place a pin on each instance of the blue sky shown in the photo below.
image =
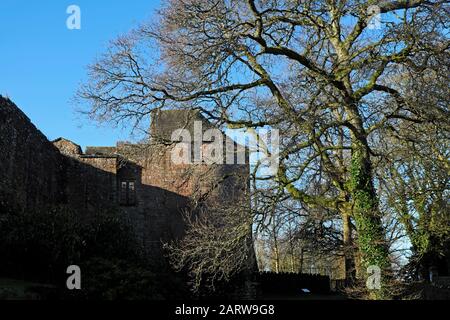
(42, 62)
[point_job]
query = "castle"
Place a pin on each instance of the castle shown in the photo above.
(140, 180)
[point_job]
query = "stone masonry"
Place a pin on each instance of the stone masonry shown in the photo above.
(140, 180)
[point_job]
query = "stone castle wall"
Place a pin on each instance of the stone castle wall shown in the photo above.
(37, 173)
(30, 166)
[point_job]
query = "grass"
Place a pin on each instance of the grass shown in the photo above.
(12, 289)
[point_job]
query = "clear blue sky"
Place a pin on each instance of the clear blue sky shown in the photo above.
(42, 62)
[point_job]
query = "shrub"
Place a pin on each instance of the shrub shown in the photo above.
(40, 245)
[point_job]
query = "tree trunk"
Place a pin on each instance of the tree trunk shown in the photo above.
(277, 261)
(292, 260)
(276, 255)
(349, 256)
(371, 237)
(301, 260)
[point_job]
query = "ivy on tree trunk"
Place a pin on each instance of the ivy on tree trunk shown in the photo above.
(371, 241)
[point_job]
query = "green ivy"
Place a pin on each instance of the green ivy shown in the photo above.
(371, 239)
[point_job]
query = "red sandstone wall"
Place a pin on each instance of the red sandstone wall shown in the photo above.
(30, 166)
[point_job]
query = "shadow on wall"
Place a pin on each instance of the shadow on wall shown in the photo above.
(34, 174)
(155, 214)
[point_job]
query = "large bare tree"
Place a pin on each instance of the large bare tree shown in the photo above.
(414, 173)
(319, 71)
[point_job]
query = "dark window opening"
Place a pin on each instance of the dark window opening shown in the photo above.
(127, 193)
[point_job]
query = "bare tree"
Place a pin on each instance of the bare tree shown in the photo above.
(414, 176)
(317, 70)
(218, 243)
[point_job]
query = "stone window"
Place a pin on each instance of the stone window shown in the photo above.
(128, 193)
